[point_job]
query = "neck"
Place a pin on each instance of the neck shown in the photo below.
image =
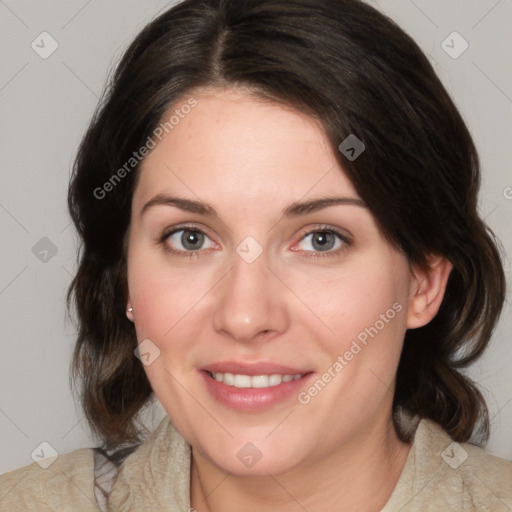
(358, 476)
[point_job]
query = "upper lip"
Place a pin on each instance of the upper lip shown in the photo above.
(260, 368)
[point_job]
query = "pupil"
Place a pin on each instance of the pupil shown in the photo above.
(192, 239)
(323, 240)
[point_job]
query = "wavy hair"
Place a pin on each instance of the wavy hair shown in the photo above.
(353, 69)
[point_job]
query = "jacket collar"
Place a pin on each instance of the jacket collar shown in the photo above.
(157, 475)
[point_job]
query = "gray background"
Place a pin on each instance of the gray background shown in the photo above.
(46, 105)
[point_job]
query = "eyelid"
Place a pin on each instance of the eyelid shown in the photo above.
(345, 237)
(183, 227)
(179, 227)
(342, 233)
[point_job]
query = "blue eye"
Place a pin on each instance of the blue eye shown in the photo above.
(191, 241)
(322, 241)
(187, 239)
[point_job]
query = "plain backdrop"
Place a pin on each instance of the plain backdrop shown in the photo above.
(46, 105)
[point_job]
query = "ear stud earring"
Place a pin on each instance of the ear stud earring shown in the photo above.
(130, 309)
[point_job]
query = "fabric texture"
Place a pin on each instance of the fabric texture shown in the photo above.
(67, 485)
(439, 475)
(105, 473)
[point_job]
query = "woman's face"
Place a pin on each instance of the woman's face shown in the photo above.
(254, 279)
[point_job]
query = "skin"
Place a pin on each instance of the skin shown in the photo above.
(249, 160)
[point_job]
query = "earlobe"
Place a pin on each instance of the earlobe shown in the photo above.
(129, 312)
(428, 287)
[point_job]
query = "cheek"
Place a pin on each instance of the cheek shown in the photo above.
(360, 335)
(150, 301)
(360, 316)
(354, 298)
(166, 298)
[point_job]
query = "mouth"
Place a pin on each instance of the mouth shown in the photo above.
(253, 388)
(254, 381)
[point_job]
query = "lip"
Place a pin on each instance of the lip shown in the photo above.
(260, 368)
(254, 399)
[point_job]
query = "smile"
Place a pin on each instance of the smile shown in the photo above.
(253, 381)
(253, 393)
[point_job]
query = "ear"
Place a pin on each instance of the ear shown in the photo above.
(129, 310)
(427, 291)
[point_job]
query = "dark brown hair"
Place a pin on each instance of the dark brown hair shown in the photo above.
(357, 72)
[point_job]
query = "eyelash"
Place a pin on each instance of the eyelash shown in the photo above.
(346, 242)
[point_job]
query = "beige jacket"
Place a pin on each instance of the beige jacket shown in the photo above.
(438, 476)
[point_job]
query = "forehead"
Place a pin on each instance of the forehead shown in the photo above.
(231, 146)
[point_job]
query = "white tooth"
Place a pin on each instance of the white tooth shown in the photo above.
(229, 379)
(254, 381)
(259, 381)
(242, 381)
(275, 380)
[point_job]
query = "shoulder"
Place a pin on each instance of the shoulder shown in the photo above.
(470, 464)
(67, 484)
(441, 474)
(486, 478)
(156, 476)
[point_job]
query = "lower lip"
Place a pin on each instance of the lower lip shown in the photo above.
(252, 399)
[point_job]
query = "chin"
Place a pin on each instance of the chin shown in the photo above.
(248, 458)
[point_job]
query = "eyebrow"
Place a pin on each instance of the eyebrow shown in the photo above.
(302, 208)
(187, 205)
(295, 209)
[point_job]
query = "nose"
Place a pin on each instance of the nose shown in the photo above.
(251, 302)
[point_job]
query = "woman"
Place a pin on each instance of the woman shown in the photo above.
(277, 202)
